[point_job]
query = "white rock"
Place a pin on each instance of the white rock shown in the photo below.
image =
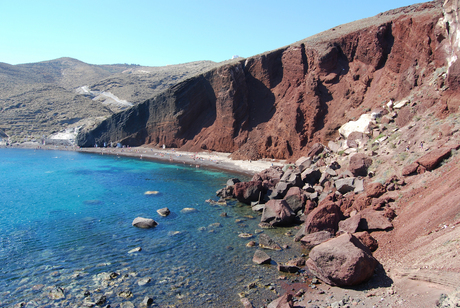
(401, 104)
(361, 125)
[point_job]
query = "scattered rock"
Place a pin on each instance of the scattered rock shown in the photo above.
(315, 150)
(367, 240)
(350, 225)
(144, 223)
(186, 210)
(266, 242)
(56, 293)
(151, 192)
(288, 268)
(246, 303)
(261, 257)
(143, 281)
(316, 238)
(164, 211)
(147, 301)
(359, 163)
(375, 190)
(345, 185)
(137, 249)
(125, 294)
(410, 169)
(284, 301)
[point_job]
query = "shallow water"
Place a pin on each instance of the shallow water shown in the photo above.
(65, 225)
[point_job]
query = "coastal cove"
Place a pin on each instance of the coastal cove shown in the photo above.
(66, 233)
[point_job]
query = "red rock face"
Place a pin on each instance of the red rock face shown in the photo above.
(278, 104)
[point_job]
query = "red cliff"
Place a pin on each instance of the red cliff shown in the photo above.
(277, 104)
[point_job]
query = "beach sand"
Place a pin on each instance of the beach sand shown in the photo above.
(207, 159)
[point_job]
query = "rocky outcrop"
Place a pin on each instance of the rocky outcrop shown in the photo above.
(278, 104)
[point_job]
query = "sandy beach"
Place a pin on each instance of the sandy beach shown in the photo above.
(206, 159)
(213, 160)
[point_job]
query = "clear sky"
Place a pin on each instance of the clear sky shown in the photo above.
(156, 33)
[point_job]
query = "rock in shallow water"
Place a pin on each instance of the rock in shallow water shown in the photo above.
(260, 257)
(144, 223)
(164, 211)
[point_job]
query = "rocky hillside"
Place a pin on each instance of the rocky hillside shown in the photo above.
(42, 99)
(277, 104)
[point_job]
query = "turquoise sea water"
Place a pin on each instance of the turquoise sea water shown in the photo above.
(65, 225)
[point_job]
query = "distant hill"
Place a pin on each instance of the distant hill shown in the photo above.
(44, 98)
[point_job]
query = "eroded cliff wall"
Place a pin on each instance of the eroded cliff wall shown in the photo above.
(277, 104)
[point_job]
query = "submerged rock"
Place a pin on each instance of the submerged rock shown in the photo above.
(137, 249)
(186, 210)
(266, 242)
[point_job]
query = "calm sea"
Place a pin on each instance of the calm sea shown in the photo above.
(65, 233)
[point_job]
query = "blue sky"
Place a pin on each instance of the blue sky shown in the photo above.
(156, 33)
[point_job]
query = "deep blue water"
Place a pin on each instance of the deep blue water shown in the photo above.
(65, 221)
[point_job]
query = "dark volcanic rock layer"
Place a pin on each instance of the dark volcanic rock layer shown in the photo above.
(277, 104)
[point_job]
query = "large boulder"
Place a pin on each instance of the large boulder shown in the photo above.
(303, 163)
(144, 223)
(284, 301)
(343, 261)
(261, 257)
(292, 177)
(277, 213)
(280, 190)
(324, 217)
(295, 199)
(361, 125)
(367, 240)
(247, 192)
(315, 149)
(372, 220)
(357, 140)
(310, 176)
(350, 225)
(375, 190)
(432, 159)
(270, 174)
(313, 239)
(345, 185)
(410, 169)
(359, 163)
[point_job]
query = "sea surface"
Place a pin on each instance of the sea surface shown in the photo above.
(66, 233)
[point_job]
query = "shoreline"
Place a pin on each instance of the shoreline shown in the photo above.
(209, 160)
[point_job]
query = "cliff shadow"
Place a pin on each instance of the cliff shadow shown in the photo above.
(196, 104)
(261, 102)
